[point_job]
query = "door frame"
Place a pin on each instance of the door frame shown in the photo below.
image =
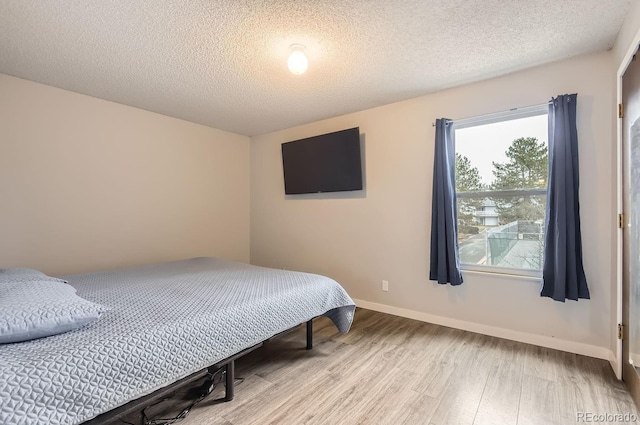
(616, 360)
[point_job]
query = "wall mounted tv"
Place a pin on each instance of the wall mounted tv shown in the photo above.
(326, 163)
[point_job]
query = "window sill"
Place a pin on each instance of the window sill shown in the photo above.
(501, 274)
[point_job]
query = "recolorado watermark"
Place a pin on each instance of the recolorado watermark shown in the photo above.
(592, 417)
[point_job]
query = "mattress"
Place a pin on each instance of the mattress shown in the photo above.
(166, 321)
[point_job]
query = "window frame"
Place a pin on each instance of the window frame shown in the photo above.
(504, 116)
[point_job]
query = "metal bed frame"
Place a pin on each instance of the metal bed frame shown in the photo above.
(228, 366)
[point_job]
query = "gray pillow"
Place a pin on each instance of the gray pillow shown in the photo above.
(32, 309)
(19, 274)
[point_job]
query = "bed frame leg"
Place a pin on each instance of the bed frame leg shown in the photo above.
(310, 334)
(229, 380)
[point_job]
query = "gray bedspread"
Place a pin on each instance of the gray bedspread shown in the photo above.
(166, 321)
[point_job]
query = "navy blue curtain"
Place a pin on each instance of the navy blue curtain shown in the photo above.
(563, 273)
(445, 261)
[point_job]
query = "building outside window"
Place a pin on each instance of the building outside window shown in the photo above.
(487, 215)
(502, 164)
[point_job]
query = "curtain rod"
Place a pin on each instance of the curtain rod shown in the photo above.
(486, 117)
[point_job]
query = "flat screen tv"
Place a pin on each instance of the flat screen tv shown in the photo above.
(326, 163)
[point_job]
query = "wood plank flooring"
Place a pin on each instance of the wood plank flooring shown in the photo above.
(392, 370)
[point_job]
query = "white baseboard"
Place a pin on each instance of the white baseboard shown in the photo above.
(540, 340)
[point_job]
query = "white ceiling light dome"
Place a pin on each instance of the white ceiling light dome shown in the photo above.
(298, 62)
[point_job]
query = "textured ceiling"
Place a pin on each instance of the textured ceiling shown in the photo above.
(223, 63)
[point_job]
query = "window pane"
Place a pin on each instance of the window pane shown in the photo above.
(502, 232)
(506, 155)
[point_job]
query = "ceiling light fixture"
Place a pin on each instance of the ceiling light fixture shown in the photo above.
(298, 61)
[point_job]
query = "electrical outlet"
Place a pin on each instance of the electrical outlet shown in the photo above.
(385, 285)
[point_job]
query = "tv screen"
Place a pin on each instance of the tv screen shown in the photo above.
(326, 163)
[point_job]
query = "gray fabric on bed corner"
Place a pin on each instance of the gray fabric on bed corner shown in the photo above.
(166, 322)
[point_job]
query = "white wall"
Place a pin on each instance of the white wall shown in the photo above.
(87, 184)
(360, 241)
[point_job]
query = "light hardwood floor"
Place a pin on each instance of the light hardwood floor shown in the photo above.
(392, 370)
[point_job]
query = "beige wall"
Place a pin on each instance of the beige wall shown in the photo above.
(87, 184)
(627, 33)
(360, 241)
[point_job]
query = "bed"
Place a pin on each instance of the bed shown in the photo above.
(165, 323)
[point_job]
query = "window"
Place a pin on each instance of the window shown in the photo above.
(502, 164)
